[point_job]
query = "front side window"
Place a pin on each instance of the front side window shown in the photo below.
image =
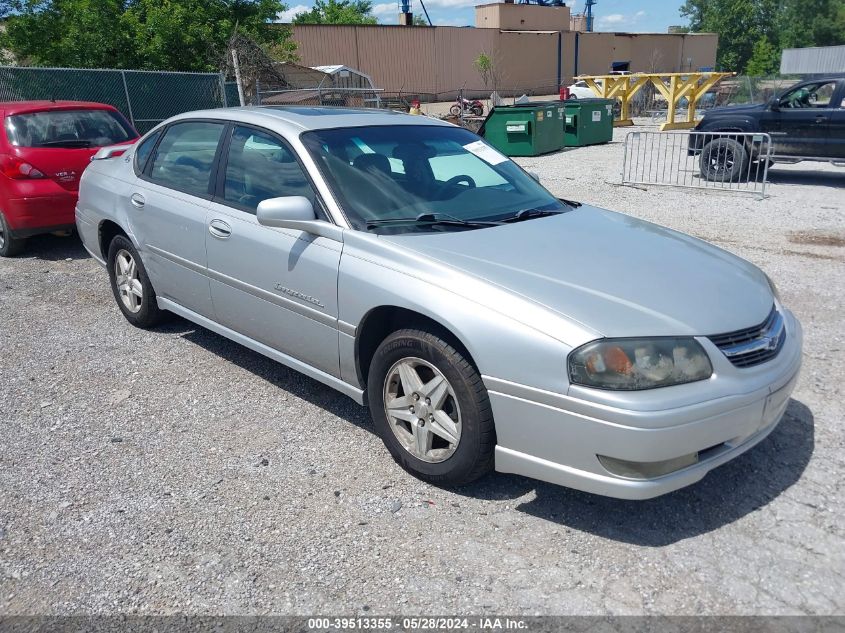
(185, 157)
(393, 172)
(810, 96)
(68, 129)
(260, 166)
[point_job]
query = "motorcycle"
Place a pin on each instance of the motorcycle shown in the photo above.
(463, 107)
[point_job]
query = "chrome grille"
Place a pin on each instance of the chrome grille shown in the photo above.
(755, 345)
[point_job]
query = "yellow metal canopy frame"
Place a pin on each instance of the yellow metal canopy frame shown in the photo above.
(673, 86)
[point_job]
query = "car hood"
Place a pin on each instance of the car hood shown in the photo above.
(612, 273)
(735, 109)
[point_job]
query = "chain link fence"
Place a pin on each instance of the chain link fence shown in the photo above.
(145, 97)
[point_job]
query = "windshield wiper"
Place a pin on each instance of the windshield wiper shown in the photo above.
(432, 218)
(527, 214)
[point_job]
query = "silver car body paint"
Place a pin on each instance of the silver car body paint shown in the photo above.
(520, 297)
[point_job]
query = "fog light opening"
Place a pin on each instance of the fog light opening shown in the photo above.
(647, 470)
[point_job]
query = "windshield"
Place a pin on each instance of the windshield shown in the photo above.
(68, 129)
(384, 174)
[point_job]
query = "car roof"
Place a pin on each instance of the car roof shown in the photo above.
(19, 107)
(302, 118)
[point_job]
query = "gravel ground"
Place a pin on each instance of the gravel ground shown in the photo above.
(173, 471)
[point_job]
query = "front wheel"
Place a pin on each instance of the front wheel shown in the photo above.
(723, 160)
(455, 110)
(431, 409)
(572, 96)
(9, 245)
(131, 286)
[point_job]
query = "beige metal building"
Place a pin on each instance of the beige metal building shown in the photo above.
(532, 48)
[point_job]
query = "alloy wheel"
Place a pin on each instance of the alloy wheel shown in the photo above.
(422, 410)
(127, 280)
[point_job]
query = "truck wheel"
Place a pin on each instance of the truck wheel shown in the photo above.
(9, 246)
(723, 160)
(431, 409)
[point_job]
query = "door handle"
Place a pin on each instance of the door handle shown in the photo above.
(218, 228)
(820, 118)
(137, 200)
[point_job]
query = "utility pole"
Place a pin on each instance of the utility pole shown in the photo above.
(238, 81)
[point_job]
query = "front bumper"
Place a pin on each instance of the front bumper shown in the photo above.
(559, 438)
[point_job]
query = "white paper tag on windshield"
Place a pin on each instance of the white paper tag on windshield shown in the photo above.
(485, 152)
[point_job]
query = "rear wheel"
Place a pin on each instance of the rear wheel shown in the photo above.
(431, 408)
(723, 160)
(572, 96)
(131, 286)
(478, 110)
(9, 245)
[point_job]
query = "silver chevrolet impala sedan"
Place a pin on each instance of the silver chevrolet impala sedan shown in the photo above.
(486, 323)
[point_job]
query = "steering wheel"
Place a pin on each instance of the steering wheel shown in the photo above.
(453, 182)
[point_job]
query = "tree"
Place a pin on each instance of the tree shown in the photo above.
(187, 35)
(338, 12)
(420, 20)
(752, 33)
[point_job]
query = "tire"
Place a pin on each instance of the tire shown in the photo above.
(423, 449)
(478, 110)
(572, 97)
(723, 160)
(455, 110)
(135, 295)
(9, 246)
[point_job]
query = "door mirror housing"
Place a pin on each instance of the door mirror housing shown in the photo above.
(295, 212)
(534, 175)
(774, 104)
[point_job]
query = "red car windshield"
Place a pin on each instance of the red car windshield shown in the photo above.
(68, 129)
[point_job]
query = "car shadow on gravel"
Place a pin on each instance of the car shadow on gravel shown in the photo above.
(54, 248)
(269, 370)
(815, 178)
(728, 493)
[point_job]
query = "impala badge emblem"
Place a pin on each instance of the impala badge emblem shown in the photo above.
(299, 295)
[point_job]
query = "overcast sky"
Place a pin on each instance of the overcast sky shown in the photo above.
(611, 15)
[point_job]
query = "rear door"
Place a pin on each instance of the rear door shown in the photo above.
(801, 125)
(169, 208)
(836, 133)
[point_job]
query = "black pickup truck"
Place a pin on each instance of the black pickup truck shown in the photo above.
(805, 122)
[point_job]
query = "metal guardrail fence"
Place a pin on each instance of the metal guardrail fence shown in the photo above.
(728, 161)
(329, 96)
(144, 97)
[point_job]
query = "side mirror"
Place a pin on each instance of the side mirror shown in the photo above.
(774, 104)
(295, 212)
(534, 175)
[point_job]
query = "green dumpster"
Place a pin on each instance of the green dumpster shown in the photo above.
(588, 122)
(528, 129)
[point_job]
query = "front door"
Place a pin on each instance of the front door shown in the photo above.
(801, 124)
(169, 205)
(277, 286)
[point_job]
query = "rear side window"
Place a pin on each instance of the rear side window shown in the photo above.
(184, 158)
(144, 150)
(68, 129)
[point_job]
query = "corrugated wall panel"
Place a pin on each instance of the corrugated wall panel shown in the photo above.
(324, 45)
(813, 61)
(399, 58)
(457, 49)
(529, 60)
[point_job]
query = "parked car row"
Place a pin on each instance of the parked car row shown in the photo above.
(408, 264)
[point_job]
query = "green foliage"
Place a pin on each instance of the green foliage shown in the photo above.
(484, 65)
(187, 35)
(765, 59)
(752, 33)
(420, 20)
(338, 12)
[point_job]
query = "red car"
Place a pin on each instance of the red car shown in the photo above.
(44, 148)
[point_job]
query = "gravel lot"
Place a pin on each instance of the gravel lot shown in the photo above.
(173, 471)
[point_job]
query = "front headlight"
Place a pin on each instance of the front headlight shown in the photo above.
(630, 364)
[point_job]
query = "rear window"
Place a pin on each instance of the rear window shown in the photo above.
(68, 129)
